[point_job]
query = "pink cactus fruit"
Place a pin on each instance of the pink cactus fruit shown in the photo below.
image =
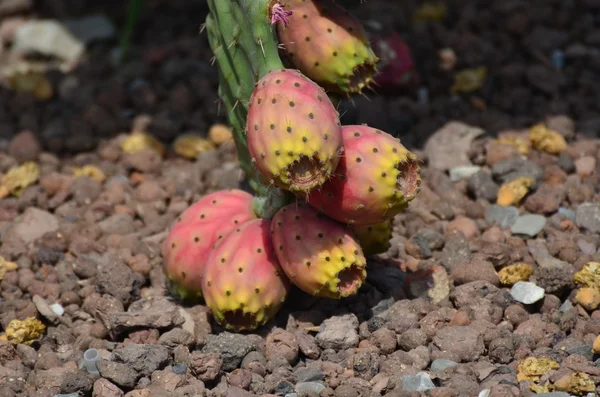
(374, 239)
(397, 67)
(375, 180)
(328, 44)
(191, 238)
(243, 283)
(319, 255)
(293, 131)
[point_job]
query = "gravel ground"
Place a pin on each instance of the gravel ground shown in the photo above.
(473, 298)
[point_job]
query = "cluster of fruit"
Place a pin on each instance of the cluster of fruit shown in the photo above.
(348, 182)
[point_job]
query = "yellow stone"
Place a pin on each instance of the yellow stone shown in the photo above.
(26, 331)
(514, 273)
(430, 11)
(546, 140)
(576, 383)
(190, 146)
(91, 171)
(596, 345)
(521, 144)
(589, 275)
(469, 80)
(533, 368)
(511, 193)
(32, 82)
(588, 298)
(220, 134)
(18, 178)
(6, 266)
(137, 142)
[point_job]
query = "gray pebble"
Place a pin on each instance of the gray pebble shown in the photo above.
(307, 387)
(528, 224)
(502, 216)
(420, 382)
(442, 364)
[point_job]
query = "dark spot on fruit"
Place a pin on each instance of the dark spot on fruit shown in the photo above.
(259, 250)
(357, 134)
(274, 100)
(327, 258)
(183, 274)
(292, 104)
(237, 230)
(297, 217)
(335, 53)
(279, 224)
(383, 174)
(172, 245)
(320, 98)
(358, 159)
(259, 101)
(235, 221)
(228, 293)
(255, 127)
(281, 248)
(277, 81)
(355, 54)
(263, 155)
(304, 139)
(291, 153)
(307, 263)
(196, 239)
(329, 30)
(289, 129)
(317, 64)
(214, 201)
(355, 252)
(395, 150)
(325, 137)
(343, 259)
(222, 260)
(307, 38)
(240, 270)
(208, 283)
(272, 126)
(202, 216)
(297, 237)
(311, 116)
(320, 235)
(350, 29)
(375, 150)
(277, 152)
(371, 188)
(370, 228)
(296, 84)
(257, 290)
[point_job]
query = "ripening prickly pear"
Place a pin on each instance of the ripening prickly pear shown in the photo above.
(374, 239)
(193, 235)
(243, 284)
(319, 255)
(376, 179)
(293, 131)
(328, 45)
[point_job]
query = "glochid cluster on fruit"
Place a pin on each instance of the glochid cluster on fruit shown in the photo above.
(325, 194)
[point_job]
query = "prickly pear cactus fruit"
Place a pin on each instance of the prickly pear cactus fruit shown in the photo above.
(193, 235)
(328, 45)
(293, 131)
(243, 283)
(374, 239)
(375, 180)
(319, 255)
